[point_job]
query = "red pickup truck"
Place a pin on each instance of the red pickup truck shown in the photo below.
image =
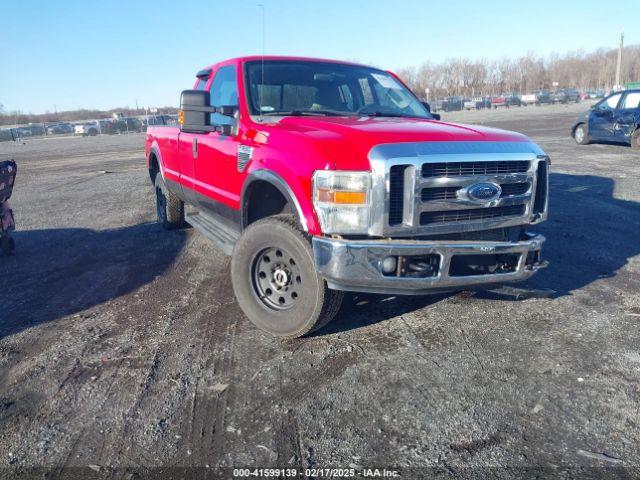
(320, 177)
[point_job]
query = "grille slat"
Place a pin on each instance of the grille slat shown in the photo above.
(456, 169)
(511, 189)
(450, 193)
(429, 218)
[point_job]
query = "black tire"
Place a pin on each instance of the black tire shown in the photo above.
(635, 139)
(169, 208)
(581, 135)
(300, 301)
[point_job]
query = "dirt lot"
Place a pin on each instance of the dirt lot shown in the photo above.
(121, 345)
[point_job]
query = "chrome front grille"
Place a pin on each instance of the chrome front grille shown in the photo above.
(456, 169)
(422, 189)
(446, 216)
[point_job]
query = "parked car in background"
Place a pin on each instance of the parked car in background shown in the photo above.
(452, 104)
(23, 132)
(87, 129)
(127, 125)
(7, 135)
(559, 96)
(506, 100)
(499, 101)
(528, 99)
(469, 104)
(60, 129)
(514, 100)
(483, 102)
(565, 95)
(106, 127)
(572, 95)
(614, 119)
(543, 97)
(158, 120)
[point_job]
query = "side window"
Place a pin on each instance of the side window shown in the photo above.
(632, 100)
(201, 83)
(224, 91)
(610, 103)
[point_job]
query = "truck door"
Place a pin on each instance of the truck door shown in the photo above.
(601, 120)
(215, 163)
(625, 116)
(187, 144)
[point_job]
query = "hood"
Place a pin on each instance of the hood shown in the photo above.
(583, 117)
(356, 136)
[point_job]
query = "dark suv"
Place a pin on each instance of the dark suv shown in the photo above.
(616, 118)
(565, 95)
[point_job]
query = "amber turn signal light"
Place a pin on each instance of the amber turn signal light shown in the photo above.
(326, 195)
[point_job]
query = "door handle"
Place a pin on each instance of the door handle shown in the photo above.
(194, 147)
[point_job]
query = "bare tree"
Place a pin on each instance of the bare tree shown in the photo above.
(462, 76)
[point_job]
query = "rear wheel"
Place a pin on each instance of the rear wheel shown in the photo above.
(580, 134)
(275, 280)
(635, 140)
(169, 208)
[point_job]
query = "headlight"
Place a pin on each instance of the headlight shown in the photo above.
(342, 200)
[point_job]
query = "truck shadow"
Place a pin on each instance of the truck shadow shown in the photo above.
(590, 233)
(59, 272)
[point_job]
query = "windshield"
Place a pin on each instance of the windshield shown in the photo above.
(289, 87)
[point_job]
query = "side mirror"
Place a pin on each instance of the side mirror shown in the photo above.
(427, 106)
(196, 113)
(195, 110)
(436, 116)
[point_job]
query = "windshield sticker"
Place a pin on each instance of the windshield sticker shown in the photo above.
(386, 81)
(266, 108)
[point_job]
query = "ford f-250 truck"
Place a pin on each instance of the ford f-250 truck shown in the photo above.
(319, 177)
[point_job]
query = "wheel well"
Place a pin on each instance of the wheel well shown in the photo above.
(262, 199)
(573, 131)
(153, 167)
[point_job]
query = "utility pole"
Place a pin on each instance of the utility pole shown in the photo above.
(619, 60)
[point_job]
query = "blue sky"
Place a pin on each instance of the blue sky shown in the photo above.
(110, 53)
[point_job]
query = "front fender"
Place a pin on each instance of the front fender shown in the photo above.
(307, 219)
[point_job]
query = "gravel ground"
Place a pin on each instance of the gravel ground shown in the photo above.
(122, 346)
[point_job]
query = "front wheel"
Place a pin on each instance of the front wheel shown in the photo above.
(580, 134)
(275, 280)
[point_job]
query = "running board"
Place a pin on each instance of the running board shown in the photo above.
(222, 235)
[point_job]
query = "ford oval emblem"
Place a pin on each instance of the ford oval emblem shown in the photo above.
(484, 192)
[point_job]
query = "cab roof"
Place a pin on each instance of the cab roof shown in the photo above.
(251, 58)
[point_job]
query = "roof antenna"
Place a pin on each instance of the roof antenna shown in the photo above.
(261, 91)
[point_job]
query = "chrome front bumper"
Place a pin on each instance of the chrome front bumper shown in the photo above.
(355, 265)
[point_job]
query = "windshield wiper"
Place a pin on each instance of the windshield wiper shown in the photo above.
(388, 114)
(311, 113)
